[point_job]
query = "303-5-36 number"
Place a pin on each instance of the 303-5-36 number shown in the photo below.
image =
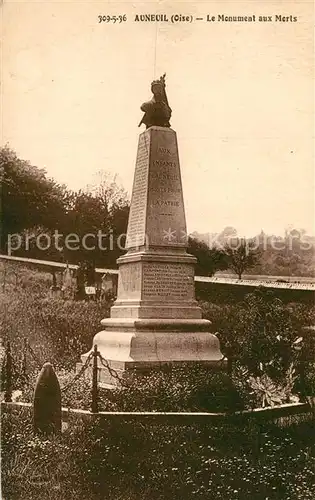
(112, 19)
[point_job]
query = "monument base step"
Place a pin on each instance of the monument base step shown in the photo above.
(144, 344)
(144, 310)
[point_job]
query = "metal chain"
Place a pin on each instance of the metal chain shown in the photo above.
(15, 374)
(112, 372)
(78, 375)
(36, 359)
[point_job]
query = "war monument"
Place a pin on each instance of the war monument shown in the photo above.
(156, 320)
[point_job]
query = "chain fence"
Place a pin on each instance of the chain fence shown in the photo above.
(78, 375)
(15, 376)
(113, 373)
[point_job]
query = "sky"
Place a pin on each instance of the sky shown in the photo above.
(241, 94)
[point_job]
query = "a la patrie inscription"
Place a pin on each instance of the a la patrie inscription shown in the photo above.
(165, 212)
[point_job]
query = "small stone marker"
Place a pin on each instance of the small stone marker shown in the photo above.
(47, 402)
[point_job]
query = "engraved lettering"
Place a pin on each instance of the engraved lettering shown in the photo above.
(164, 177)
(136, 223)
(168, 281)
(166, 203)
(163, 163)
(164, 151)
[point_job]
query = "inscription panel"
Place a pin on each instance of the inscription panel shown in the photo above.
(168, 281)
(137, 215)
(166, 225)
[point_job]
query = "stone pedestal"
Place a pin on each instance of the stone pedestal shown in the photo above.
(155, 319)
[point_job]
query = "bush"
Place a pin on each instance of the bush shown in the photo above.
(59, 331)
(267, 339)
(262, 333)
(185, 388)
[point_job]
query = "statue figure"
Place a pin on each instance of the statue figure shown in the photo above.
(157, 111)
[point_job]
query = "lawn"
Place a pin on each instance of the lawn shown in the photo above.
(128, 461)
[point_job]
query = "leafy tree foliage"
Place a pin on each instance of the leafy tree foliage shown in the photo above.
(99, 218)
(28, 198)
(70, 226)
(241, 255)
(209, 260)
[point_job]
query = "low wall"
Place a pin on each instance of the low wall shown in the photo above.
(219, 292)
(283, 415)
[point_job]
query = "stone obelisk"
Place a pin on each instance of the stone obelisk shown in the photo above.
(156, 319)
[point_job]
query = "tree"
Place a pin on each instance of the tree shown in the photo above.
(84, 219)
(27, 197)
(228, 232)
(225, 235)
(44, 216)
(241, 255)
(98, 216)
(116, 200)
(109, 190)
(209, 260)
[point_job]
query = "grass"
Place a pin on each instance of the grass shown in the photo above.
(130, 461)
(58, 330)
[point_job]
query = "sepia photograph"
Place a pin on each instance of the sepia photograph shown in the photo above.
(157, 250)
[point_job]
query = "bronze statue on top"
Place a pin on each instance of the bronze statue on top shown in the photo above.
(157, 111)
